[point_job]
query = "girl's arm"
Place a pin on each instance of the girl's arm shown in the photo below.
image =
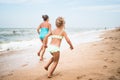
(46, 39)
(68, 40)
(50, 28)
(38, 29)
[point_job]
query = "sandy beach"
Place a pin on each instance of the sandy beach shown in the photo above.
(99, 60)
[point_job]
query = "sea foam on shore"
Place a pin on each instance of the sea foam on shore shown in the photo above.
(12, 40)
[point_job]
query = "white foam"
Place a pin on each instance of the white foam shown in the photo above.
(83, 37)
(18, 45)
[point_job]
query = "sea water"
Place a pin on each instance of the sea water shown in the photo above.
(21, 38)
(16, 38)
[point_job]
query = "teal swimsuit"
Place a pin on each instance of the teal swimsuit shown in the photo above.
(43, 33)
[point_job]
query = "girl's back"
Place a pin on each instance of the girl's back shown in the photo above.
(45, 25)
(57, 36)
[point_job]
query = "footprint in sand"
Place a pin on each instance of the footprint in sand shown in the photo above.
(12, 71)
(112, 53)
(114, 48)
(110, 61)
(2, 76)
(79, 77)
(104, 67)
(10, 74)
(102, 51)
(94, 44)
(24, 65)
(112, 78)
(58, 74)
(90, 79)
(118, 70)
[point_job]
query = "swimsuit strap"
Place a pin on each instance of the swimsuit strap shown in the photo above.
(58, 36)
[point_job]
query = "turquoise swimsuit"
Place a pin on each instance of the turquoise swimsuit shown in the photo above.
(43, 33)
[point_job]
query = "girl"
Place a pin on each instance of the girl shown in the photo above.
(43, 29)
(54, 47)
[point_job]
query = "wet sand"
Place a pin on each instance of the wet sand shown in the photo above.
(98, 60)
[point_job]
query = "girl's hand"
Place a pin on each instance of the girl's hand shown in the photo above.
(38, 32)
(71, 47)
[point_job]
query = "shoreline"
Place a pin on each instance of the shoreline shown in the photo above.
(21, 44)
(88, 61)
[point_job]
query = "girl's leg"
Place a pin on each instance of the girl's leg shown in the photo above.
(39, 51)
(42, 53)
(40, 48)
(55, 62)
(48, 64)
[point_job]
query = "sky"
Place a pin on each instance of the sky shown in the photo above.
(77, 13)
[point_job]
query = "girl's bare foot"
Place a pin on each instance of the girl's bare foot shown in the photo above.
(46, 68)
(41, 59)
(49, 76)
(38, 53)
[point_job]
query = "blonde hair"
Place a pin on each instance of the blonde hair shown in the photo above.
(60, 22)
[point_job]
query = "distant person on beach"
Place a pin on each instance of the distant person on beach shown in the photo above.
(54, 47)
(43, 29)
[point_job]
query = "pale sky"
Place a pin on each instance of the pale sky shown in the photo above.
(77, 13)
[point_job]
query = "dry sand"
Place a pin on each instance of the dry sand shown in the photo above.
(89, 61)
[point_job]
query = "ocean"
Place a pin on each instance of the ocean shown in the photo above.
(21, 38)
(16, 38)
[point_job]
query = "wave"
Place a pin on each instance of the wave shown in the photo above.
(8, 35)
(17, 45)
(21, 42)
(9, 32)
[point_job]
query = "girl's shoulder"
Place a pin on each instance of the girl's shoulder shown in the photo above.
(49, 23)
(41, 23)
(58, 32)
(64, 32)
(44, 24)
(53, 31)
